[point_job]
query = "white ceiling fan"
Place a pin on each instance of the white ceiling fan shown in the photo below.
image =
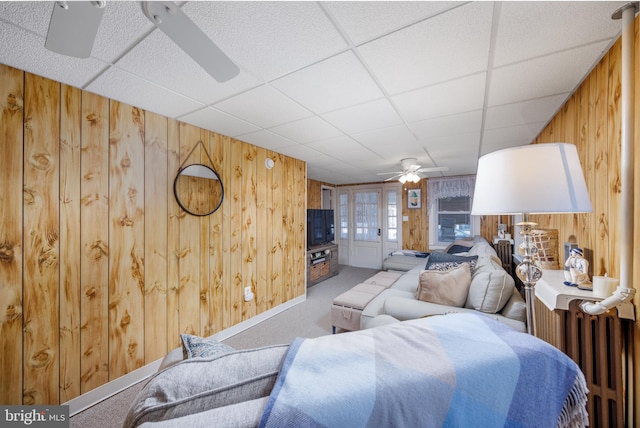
(411, 171)
(74, 25)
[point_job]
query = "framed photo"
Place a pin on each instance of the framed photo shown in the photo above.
(414, 198)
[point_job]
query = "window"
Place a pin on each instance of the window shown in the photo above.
(449, 204)
(344, 215)
(392, 216)
(454, 218)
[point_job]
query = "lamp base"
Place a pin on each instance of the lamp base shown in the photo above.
(528, 272)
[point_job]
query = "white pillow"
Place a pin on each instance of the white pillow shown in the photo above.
(445, 287)
(490, 290)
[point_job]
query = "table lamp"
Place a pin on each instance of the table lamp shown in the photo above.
(532, 179)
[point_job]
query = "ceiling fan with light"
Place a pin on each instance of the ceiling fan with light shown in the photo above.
(74, 25)
(411, 171)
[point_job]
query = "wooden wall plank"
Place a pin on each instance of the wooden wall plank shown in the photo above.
(277, 248)
(236, 282)
(156, 196)
(126, 237)
(174, 213)
(262, 230)
(205, 256)
(11, 233)
(70, 254)
(614, 147)
(600, 198)
(226, 279)
(287, 224)
(216, 148)
(41, 244)
(189, 263)
(249, 217)
(94, 232)
(300, 219)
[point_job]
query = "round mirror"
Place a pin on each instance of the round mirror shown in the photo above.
(198, 189)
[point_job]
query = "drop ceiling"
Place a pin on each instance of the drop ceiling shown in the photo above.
(349, 87)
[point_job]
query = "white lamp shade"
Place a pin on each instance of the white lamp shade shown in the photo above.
(537, 178)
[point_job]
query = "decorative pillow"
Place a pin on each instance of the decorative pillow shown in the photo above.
(201, 384)
(448, 288)
(444, 261)
(490, 290)
(459, 246)
(200, 347)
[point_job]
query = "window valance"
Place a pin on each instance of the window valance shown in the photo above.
(449, 187)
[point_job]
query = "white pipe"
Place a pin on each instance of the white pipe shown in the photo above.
(624, 292)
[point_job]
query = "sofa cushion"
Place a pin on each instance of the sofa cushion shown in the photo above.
(202, 347)
(448, 287)
(490, 290)
(444, 261)
(198, 384)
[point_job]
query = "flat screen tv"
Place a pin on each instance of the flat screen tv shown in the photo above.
(320, 228)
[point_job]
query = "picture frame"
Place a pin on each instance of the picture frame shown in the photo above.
(414, 199)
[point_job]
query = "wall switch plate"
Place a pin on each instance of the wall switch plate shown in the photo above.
(248, 294)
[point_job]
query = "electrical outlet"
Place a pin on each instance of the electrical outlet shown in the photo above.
(247, 290)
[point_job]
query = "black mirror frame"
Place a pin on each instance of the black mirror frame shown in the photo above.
(175, 190)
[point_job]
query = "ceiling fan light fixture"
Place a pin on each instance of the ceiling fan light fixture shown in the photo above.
(403, 179)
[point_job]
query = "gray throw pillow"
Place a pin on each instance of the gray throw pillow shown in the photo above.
(200, 384)
(201, 347)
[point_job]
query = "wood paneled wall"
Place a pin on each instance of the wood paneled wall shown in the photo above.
(591, 119)
(100, 270)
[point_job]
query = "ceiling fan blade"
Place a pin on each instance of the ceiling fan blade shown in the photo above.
(73, 27)
(433, 169)
(169, 18)
(392, 178)
(387, 173)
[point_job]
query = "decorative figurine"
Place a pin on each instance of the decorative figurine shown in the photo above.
(578, 269)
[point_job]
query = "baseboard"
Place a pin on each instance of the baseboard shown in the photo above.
(109, 389)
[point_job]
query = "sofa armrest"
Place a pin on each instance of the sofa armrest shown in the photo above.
(403, 309)
(408, 309)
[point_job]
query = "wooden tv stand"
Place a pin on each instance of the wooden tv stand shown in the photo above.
(322, 263)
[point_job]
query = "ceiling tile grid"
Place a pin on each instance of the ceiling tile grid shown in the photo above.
(351, 88)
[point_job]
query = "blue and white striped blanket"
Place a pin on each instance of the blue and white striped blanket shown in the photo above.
(456, 370)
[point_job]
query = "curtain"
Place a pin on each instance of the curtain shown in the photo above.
(449, 187)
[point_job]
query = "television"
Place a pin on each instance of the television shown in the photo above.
(320, 228)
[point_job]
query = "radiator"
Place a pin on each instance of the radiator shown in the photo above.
(594, 342)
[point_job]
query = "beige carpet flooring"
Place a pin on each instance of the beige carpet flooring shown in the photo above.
(310, 318)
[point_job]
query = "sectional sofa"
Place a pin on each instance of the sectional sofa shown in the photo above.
(491, 289)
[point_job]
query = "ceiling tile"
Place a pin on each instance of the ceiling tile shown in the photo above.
(127, 88)
(453, 145)
(264, 107)
(450, 45)
(307, 130)
(530, 29)
(266, 139)
(217, 121)
(159, 60)
(122, 25)
(33, 16)
(540, 77)
(464, 123)
(393, 143)
(366, 20)
(343, 147)
(536, 110)
(456, 96)
(502, 138)
(372, 115)
(41, 61)
(268, 39)
(334, 83)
